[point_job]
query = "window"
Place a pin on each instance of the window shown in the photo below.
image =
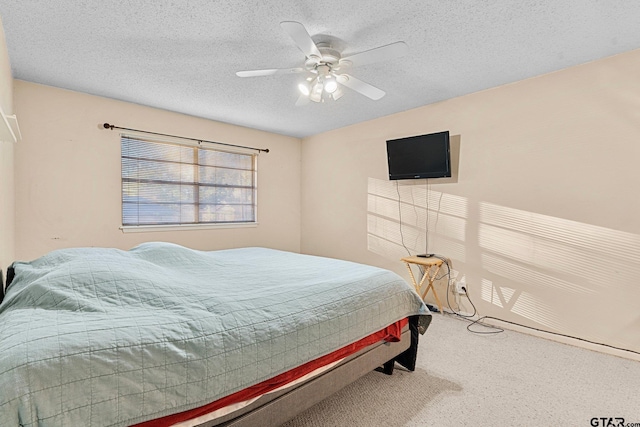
(173, 184)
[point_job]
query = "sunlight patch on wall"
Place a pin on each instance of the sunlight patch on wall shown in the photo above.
(529, 277)
(535, 308)
(381, 230)
(536, 251)
(539, 310)
(585, 266)
(415, 216)
(534, 264)
(489, 293)
(500, 296)
(423, 213)
(415, 191)
(385, 248)
(388, 229)
(592, 238)
(507, 295)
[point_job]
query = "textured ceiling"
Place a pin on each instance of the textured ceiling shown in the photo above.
(182, 55)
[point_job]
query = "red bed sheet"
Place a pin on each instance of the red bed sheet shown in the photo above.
(391, 333)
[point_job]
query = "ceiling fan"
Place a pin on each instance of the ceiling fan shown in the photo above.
(323, 63)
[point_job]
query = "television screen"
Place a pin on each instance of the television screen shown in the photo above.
(422, 156)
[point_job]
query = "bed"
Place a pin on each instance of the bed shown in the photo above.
(165, 335)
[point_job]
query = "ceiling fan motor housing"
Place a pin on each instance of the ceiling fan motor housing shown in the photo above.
(330, 57)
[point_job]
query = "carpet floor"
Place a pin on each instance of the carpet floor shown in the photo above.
(507, 379)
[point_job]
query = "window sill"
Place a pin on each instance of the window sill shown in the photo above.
(184, 227)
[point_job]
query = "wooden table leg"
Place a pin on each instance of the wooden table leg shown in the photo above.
(413, 279)
(435, 294)
(425, 276)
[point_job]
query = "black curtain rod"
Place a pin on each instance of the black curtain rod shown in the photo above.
(112, 127)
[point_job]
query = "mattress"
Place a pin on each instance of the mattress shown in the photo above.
(104, 337)
(234, 402)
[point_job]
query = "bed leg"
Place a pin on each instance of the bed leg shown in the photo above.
(387, 368)
(408, 358)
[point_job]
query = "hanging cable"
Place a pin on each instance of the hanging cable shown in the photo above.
(400, 219)
(426, 236)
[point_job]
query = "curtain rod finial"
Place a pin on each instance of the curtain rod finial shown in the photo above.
(108, 126)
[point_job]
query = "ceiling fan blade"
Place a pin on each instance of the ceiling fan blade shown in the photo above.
(378, 54)
(302, 100)
(359, 86)
(302, 38)
(260, 73)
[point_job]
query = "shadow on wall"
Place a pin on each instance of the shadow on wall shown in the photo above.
(533, 263)
(419, 208)
(551, 271)
(408, 218)
(425, 215)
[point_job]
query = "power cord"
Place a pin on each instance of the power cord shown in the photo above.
(498, 330)
(426, 226)
(400, 219)
(465, 316)
(449, 279)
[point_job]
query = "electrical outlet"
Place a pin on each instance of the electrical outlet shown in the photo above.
(459, 287)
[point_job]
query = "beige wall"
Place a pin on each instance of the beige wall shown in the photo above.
(7, 208)
(541, 218)
(7, 242)
(6, 80)
(67, 175)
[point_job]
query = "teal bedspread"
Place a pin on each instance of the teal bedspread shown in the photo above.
(105, 337)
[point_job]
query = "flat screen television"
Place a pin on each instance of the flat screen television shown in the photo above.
(422, 156)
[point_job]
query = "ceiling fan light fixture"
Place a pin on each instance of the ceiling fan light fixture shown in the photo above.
(315, 96)
(337, 94)
(304, 88)
(317, 87)
(330, 84)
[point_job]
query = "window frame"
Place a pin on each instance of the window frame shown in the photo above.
(201, 145)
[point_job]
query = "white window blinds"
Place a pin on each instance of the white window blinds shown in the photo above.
(172, 184)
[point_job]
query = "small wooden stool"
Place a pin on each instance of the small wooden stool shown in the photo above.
(431, 267)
